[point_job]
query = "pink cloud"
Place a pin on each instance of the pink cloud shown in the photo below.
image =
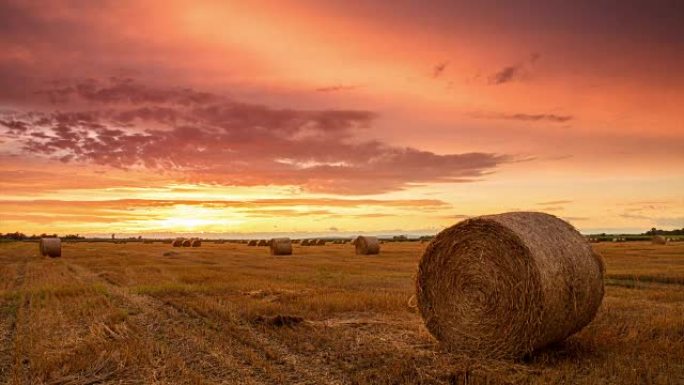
(212, 139)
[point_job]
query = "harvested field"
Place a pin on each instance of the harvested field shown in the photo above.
(233, 314)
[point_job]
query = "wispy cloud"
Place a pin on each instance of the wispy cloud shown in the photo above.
(513, 72)
(439, 69)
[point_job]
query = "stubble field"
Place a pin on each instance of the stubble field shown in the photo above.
(139, 313)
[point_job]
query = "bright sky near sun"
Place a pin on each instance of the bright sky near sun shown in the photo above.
(156, 117)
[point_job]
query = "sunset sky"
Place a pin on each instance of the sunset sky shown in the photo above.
(338, 117)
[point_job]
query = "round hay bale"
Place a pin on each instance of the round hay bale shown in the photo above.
(305, 242)
(196, 242)
(178, 242)
(320, 242)
(187, 243)
(659, 240)
(504, 285)
(280, 246)
(367, 245)
(52, 247)
(262, 243)
(252, 243)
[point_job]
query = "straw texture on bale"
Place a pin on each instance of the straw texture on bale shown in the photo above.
(196, 243)
(659, 240)
(187, 243)
(52, 247)
(504, 285)
(252, 243)
(178, 242)
(280, 246)
(367, 245)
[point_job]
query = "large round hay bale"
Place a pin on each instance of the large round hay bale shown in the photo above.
(187, 243)
(196, 242)
(52, 247)
(505, 285)
(659, 240)
(280, 246)
(178, 242)
(367, 245)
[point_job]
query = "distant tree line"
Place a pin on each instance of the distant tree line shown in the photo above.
(17, 236)
(655, 231)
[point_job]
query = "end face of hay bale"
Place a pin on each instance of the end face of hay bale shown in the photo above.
(52, 247)
(187, 243)
(505, 285)
(367, 245)
(280, 246)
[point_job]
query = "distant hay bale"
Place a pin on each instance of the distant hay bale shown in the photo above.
(320, 242)
(367, 245)
(262, 243)
(295, 241)
(306, 242)
(252, 243)
(52, 247)
(187, 243)
(178, 242)
(196, 242)
(505, 285)
(280, 246)
(659, 240)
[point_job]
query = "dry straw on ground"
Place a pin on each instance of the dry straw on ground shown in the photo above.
(659, 240)
(52, 247)
(280, 246)
(505, 285)
(367, 245)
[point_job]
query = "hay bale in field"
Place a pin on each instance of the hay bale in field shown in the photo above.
(196, 242)
(280, 246)
(178, 242)
(262, 242)
(659, 240)
(505, 285)
(320, 242)
(187, 243)
(367, 245)
(295, 241)
(253, 242)
(52, 247)
(306, 242)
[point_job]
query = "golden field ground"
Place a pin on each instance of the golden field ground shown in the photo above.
(130, 314)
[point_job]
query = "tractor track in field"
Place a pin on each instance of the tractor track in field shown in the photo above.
(238, 350)
(12, 352)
